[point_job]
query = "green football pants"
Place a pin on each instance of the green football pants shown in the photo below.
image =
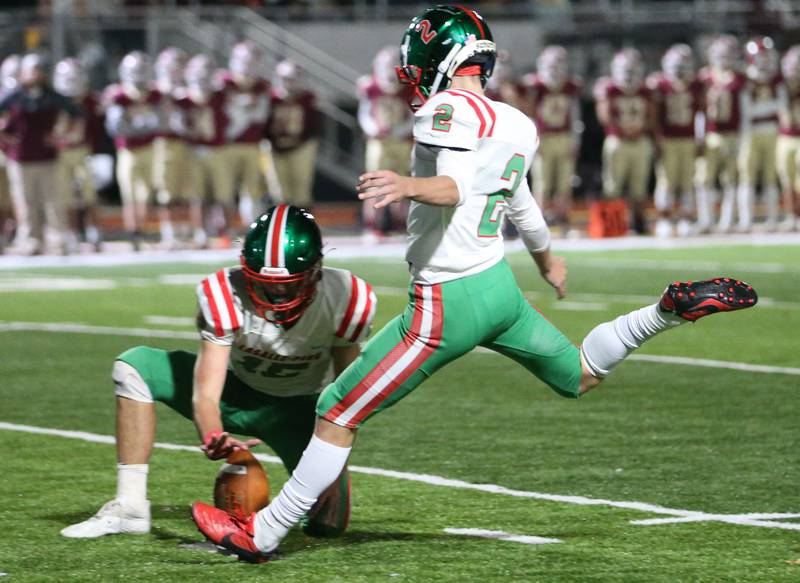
(441, 323)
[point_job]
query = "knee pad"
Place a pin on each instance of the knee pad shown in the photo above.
(129, 383)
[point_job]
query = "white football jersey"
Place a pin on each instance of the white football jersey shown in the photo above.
(275, 360)
(487, 147)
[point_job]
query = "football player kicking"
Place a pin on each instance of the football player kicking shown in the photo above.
(273, 333)
(471, 159)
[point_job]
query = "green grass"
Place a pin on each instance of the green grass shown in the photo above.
(702, 439)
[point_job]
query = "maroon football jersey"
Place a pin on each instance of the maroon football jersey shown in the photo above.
(764, 95)
(30, 118)
(723, 111)
(246, 110)
(551, 109)
(628, 110)
(205, 120)
(676, 105)
(93, 129)
(292, 121)
(388, 109)
(143, 106)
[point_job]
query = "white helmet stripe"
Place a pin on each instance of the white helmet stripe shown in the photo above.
(274, 253)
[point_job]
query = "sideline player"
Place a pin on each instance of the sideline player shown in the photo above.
(472, 156)
(677, 95)
(135, 117)
(292, 130)
(759, 134)
(384, 118)
(273, 333)
(722, 84)
(239, 167)
(200, 120)
(788, 149)
(551, 99)
(71, 80)
(625, 110)
(171, 169)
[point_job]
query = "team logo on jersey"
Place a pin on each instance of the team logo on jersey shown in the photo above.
(425, 32)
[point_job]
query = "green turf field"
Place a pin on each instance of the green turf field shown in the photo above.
(710, 451)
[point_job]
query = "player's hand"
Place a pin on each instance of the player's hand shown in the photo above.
(219, 444)
(556, 275)
(385, 185)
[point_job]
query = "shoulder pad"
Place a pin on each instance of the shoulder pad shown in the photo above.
(355, 306)
(219, 305)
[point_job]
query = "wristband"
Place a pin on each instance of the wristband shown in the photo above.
(213, 434)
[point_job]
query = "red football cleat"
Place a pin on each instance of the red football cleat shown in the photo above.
(228, 531)
(694, 299)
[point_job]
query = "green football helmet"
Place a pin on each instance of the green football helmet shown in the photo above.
(282, 262)
(436, 43)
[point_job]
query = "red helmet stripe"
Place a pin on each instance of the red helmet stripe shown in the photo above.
(474, 17)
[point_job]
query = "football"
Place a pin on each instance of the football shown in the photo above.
(241, 487)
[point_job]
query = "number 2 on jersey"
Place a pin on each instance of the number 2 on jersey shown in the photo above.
(442, 117)
(496, 202)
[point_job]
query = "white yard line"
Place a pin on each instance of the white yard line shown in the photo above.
(55, 284)
(87, 329)
(500, 535)
(740, 519)
(77, 328)
(762, 368)
(580, 306)
(170, 320)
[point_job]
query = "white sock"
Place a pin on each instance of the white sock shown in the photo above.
(321, 464)
(611, 342)
(132, 484)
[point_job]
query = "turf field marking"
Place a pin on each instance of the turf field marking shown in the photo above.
(179, 335)
(500, 535)
(704, 362)
(701, 517)
(672, 265)
(580, 306)
(708, 363)
(56, 284)
(87, 329)
(170, 320)
(739, 519)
